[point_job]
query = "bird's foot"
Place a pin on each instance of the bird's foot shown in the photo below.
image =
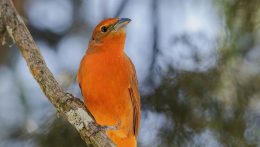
(114, 127)
(98, 128)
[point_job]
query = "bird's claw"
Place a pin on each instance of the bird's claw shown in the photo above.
(99, 128)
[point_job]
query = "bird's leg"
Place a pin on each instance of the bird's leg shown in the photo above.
(114, 127)
(99, 128)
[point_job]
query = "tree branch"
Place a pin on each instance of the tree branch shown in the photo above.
(71, 108)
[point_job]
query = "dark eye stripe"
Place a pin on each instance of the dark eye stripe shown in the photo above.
(103, 29)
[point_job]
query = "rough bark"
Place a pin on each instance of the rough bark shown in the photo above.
(71, 108)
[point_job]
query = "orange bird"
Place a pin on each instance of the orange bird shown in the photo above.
(108, 82)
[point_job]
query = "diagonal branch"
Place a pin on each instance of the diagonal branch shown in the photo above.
(71, 108)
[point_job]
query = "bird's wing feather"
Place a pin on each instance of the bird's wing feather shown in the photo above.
(135, 99)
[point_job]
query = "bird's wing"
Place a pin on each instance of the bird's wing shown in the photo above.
(135, 99)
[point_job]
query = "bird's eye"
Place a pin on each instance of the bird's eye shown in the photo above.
(104, 29)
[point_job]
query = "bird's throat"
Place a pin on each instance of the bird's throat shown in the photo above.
(115, 45)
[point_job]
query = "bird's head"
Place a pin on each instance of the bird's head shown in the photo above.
(111, 30)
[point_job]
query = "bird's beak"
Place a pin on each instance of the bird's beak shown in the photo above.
(122, 22)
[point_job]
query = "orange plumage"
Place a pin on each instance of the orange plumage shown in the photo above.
(108, 82)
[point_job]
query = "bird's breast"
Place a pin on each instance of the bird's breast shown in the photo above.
(104, 80)
(103, 72)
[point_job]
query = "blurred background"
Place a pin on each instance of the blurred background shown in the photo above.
(198, 65)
